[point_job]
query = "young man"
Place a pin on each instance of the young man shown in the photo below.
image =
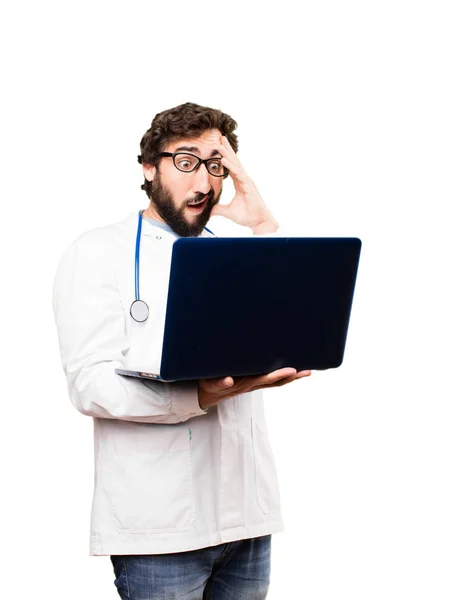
(186, 496)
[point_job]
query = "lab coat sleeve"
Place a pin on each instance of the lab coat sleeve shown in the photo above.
(91, 329)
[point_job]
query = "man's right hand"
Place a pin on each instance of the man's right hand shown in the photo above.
(213, 391)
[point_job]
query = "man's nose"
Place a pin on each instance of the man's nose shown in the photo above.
(202, 182)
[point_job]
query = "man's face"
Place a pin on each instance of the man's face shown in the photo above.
(175, 192)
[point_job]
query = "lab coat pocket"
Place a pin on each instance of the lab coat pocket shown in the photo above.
(265, 471)
(150, 484)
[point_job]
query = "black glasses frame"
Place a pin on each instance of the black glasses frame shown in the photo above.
(198, 164)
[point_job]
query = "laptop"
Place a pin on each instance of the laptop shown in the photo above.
(250, 306)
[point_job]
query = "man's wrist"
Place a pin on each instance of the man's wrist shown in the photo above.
(205, 408)
(269, 226)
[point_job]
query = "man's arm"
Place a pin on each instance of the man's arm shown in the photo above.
(91, 329)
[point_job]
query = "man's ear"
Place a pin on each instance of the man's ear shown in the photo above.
(149, 171)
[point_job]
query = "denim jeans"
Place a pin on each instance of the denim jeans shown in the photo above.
(234, 571)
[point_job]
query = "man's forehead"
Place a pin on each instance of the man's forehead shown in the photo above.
(208, 140)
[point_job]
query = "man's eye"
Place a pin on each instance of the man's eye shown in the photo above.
(185, 164)
(214, 166)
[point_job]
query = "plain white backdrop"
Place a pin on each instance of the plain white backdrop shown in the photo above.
(349, 124)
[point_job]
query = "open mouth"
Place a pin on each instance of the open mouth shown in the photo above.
(198, 206)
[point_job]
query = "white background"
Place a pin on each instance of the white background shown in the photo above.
(349, 124)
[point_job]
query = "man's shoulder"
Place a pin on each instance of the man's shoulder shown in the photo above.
(110, 234)
(102, 243)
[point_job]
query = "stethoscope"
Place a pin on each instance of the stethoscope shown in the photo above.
(139, 309)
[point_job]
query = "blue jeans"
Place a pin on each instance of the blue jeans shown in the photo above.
(234, 571)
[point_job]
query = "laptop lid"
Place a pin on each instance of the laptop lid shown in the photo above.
(247, 306)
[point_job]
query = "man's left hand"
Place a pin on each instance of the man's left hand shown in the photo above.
(247, 207)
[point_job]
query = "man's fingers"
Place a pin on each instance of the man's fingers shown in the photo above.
(227, 382)
(252, 383)
(249, 383)
(300, 375)
(272, 385)
(216, 385)
(284, 380)
(285, 371)
(242, 385)
(222, 383)
(280, 374)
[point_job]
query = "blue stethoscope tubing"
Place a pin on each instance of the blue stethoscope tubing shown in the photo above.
(139, 309)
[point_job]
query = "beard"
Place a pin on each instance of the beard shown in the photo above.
(163, 201)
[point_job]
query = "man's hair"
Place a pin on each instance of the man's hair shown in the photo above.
(185, 120)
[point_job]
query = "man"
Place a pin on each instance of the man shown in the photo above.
(186, 496)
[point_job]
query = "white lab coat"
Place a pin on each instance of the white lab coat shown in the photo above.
(169, 477)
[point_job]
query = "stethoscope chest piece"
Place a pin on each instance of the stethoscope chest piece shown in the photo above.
(139, 311)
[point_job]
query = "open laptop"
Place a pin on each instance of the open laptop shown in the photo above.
(250, 306)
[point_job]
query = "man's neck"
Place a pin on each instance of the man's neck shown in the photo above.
(151, 213)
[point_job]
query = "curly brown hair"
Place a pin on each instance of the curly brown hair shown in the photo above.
(185, 120)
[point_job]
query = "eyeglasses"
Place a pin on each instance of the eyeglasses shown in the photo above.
(189, 162)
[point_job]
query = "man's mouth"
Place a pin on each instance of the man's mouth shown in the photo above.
(197, 206)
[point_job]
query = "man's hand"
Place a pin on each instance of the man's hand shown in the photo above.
(213, 391)
(247, 207)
